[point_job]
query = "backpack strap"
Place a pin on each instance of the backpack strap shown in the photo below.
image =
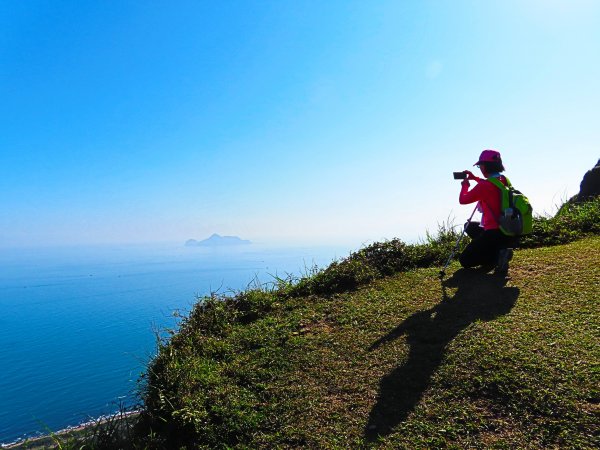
(505, 193)
(496, 182)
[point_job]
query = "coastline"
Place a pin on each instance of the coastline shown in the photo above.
(115, 299)
(55, 439)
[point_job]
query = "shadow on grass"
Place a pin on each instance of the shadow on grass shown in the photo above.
(479, 296)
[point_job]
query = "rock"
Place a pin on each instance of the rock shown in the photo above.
(590, 185)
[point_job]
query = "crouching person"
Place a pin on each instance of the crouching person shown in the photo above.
(489, 247)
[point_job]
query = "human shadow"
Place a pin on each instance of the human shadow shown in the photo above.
(478, 296)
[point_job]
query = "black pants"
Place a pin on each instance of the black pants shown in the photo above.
(484, 247)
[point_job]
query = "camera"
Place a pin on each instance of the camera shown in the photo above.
(460, 175)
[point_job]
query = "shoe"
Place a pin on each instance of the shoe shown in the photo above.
(504, 256)
(487, 268)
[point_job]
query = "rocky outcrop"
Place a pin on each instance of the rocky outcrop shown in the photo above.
(590, 185)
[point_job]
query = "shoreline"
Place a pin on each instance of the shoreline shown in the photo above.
(53, 439)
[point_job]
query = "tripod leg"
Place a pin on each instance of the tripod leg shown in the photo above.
(443, 271)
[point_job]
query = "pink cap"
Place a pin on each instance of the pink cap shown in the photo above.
(489, 156)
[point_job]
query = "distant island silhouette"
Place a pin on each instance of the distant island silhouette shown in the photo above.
(217, 241)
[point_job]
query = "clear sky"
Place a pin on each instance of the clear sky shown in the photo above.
(289, 121)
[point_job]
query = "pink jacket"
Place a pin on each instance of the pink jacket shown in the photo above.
(489, 200)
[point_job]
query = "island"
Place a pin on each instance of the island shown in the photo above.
(217, 241)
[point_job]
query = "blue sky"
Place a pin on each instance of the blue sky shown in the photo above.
(284, 121)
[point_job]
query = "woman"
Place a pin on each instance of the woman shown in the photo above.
(489, 246)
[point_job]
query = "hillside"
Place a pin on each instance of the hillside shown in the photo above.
(404, 361)
(375, 351)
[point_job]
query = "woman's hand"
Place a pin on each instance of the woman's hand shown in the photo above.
(470, 176)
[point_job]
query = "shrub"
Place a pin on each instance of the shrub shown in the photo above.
(378, 260)
(570, 222)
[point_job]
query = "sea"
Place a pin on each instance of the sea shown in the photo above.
(78, 325)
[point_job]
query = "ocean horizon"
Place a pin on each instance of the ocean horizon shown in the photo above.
(79, 324)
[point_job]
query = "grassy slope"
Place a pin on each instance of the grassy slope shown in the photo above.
(491, 364)
(401, 362)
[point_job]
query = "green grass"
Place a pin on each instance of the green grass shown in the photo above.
(571, 221)
(396, 361)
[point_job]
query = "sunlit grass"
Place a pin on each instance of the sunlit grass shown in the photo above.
(374, 351)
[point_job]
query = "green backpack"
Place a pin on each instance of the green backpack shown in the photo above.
(516, 217)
